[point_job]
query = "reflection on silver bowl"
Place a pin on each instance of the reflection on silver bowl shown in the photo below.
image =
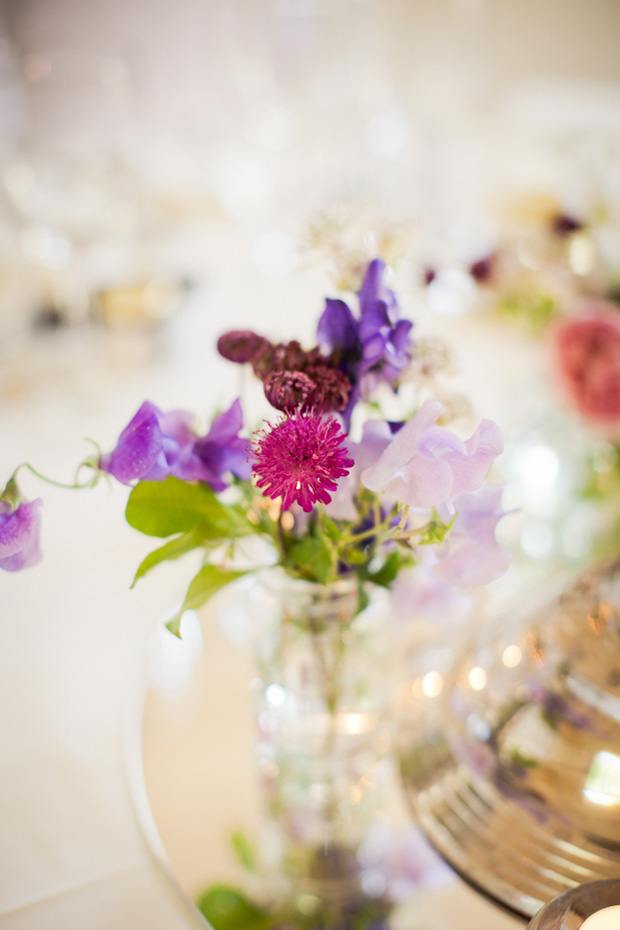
(515, 776)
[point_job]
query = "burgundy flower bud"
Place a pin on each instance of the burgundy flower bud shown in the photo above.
(482, 270)
(332, 388)
(564, 225)
(286, 390)
(242, 346)
(429, 276)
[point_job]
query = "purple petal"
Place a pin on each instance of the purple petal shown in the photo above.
(19, 536)
(337, 329)
(226, 426)
(374, 321)
(401, 336)
(471, 555)
(373, 290)
(221, 451)
(178, 425)
(138, 447)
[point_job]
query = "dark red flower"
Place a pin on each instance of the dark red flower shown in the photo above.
(242, 346)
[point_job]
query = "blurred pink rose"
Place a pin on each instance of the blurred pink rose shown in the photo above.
(586, 352)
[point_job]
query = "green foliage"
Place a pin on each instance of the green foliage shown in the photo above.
(388, 571)
(535, 310)
(524, 762)
(435, 531)
(203, 585)
(244, 850)
(312, 556)
(163, 508)
(171, 550)
(227, 908)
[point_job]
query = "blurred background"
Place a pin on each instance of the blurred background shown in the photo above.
(167, 167)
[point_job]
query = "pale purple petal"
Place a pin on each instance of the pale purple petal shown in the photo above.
(431, 485)
(376, 435)
(471, 464)
(19, 535)
(471, 554)
(138, 448)
(178, 425)
(417, 594)
(425, 464)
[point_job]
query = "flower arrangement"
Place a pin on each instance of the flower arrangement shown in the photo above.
(329, 502)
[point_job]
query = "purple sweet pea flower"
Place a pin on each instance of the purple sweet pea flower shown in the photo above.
(139, 449)
(222, 450)
(372, 349)
(471, 555)
(425, 465)
(155, 444)
(19, 535)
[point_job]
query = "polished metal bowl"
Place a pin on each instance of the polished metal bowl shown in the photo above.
(514, 771)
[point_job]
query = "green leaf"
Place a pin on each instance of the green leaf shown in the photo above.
(362, 596)
(332, 531)
(226, 908)
(244, 850)
(312, 557)
(162, 508)
(388, 571)
(203, 585)
(169, 551)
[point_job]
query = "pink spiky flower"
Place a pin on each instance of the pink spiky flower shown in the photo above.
(300, 459)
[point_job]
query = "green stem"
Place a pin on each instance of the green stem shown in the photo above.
(59, 484)
(280, 536)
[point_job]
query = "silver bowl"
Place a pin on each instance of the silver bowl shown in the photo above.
(515, 775)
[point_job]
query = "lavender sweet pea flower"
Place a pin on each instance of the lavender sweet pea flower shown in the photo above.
(425, 464)
(471, 555)
(418, 594)
(376, 435)
(19, 535)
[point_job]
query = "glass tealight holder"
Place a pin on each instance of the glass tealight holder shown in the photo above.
(593, 906)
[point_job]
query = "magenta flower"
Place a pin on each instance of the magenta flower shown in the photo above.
(155, 444)
(300, 460)
(425, 464)
(19, 535)
(471, 555)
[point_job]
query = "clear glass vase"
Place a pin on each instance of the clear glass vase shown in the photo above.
(323, 692)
